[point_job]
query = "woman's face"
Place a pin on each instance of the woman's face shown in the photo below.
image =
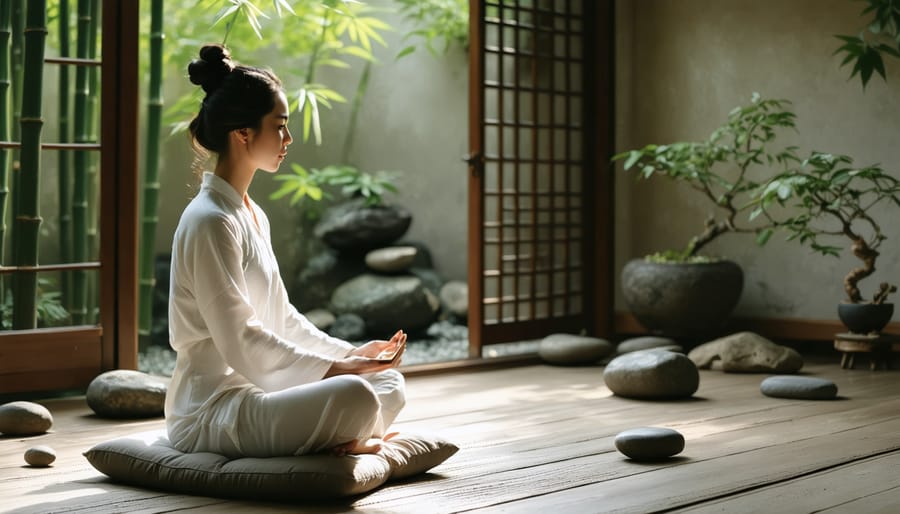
(268, 145)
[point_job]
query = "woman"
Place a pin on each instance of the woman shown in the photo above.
(253, 377)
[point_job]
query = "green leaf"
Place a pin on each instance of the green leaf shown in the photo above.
(406, 51)
(633, 157)
(763, 236)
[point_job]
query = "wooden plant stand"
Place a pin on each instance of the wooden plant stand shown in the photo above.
(878, 346)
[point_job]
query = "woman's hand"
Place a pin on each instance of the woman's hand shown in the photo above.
(362, 360)
(373, 348)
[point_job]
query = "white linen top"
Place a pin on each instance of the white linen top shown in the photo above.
(230, 320)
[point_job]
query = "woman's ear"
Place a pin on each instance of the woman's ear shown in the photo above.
(241, 136)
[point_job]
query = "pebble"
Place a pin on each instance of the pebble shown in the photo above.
(649, 443)
(799, 387)
(40, 456)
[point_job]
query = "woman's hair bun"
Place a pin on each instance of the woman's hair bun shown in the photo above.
(210, 69)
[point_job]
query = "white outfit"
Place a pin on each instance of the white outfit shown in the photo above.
(248, 378)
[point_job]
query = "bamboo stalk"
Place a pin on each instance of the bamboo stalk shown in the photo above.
(28, 216)
(151, 172)
(78, 305)
(64, 181)
(5, 35)
(93, 171)
(17, 23)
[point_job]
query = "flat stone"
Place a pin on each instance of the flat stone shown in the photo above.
(747, 352)
(127, 394)
(40, 456)
(573, 350)
(392, 259)
(649, 443)
(799, 388)
(646, 343)
(24, 418)
(652, 374)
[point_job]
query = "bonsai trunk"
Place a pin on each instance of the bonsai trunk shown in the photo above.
(712, 231)
(867, 255)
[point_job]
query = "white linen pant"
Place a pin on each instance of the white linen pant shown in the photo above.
(312, 417)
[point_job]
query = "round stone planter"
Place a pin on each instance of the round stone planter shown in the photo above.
(679, 299)
(865, 318)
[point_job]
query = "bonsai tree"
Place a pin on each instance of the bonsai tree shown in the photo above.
(721, 170)
(831, 199)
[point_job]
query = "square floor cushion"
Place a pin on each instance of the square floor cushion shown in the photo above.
(148, 460)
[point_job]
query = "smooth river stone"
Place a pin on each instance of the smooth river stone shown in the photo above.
(649, 443)
(652, 374)
(40, 456)
(24, 418)
(798, 387)
(573, 350)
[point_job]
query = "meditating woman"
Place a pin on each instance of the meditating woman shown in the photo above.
(253, 377)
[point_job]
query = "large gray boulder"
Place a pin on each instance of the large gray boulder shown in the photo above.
(387, 303)
(652, 374)
(323, 273)
(127, 394)
(352, 226)
(747, 352)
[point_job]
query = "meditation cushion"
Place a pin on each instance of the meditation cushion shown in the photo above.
(148, 460)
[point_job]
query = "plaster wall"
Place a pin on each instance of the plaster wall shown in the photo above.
(683, 65)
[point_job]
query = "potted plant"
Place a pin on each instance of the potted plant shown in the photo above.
(687, 292)
(827, 198)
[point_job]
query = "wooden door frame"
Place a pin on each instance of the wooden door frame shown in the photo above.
(598, 285)
(70, 357)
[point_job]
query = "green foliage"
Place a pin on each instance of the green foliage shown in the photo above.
(350, 181)
(436, 20)
(881, 36)
(308, 34)
(828, 198)
(722, 167)
(50, 311)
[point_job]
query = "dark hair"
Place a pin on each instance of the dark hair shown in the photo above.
(237, 97)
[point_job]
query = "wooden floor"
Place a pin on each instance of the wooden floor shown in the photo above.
(540, 439)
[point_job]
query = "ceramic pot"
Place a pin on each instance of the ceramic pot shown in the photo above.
(865, 318)
(680, 299)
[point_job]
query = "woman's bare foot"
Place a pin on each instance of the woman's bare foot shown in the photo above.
(355, 447)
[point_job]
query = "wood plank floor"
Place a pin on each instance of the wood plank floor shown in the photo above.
(540, 439)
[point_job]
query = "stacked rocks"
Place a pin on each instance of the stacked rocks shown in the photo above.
(370, 282)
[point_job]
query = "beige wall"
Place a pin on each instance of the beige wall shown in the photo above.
(683, 65)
